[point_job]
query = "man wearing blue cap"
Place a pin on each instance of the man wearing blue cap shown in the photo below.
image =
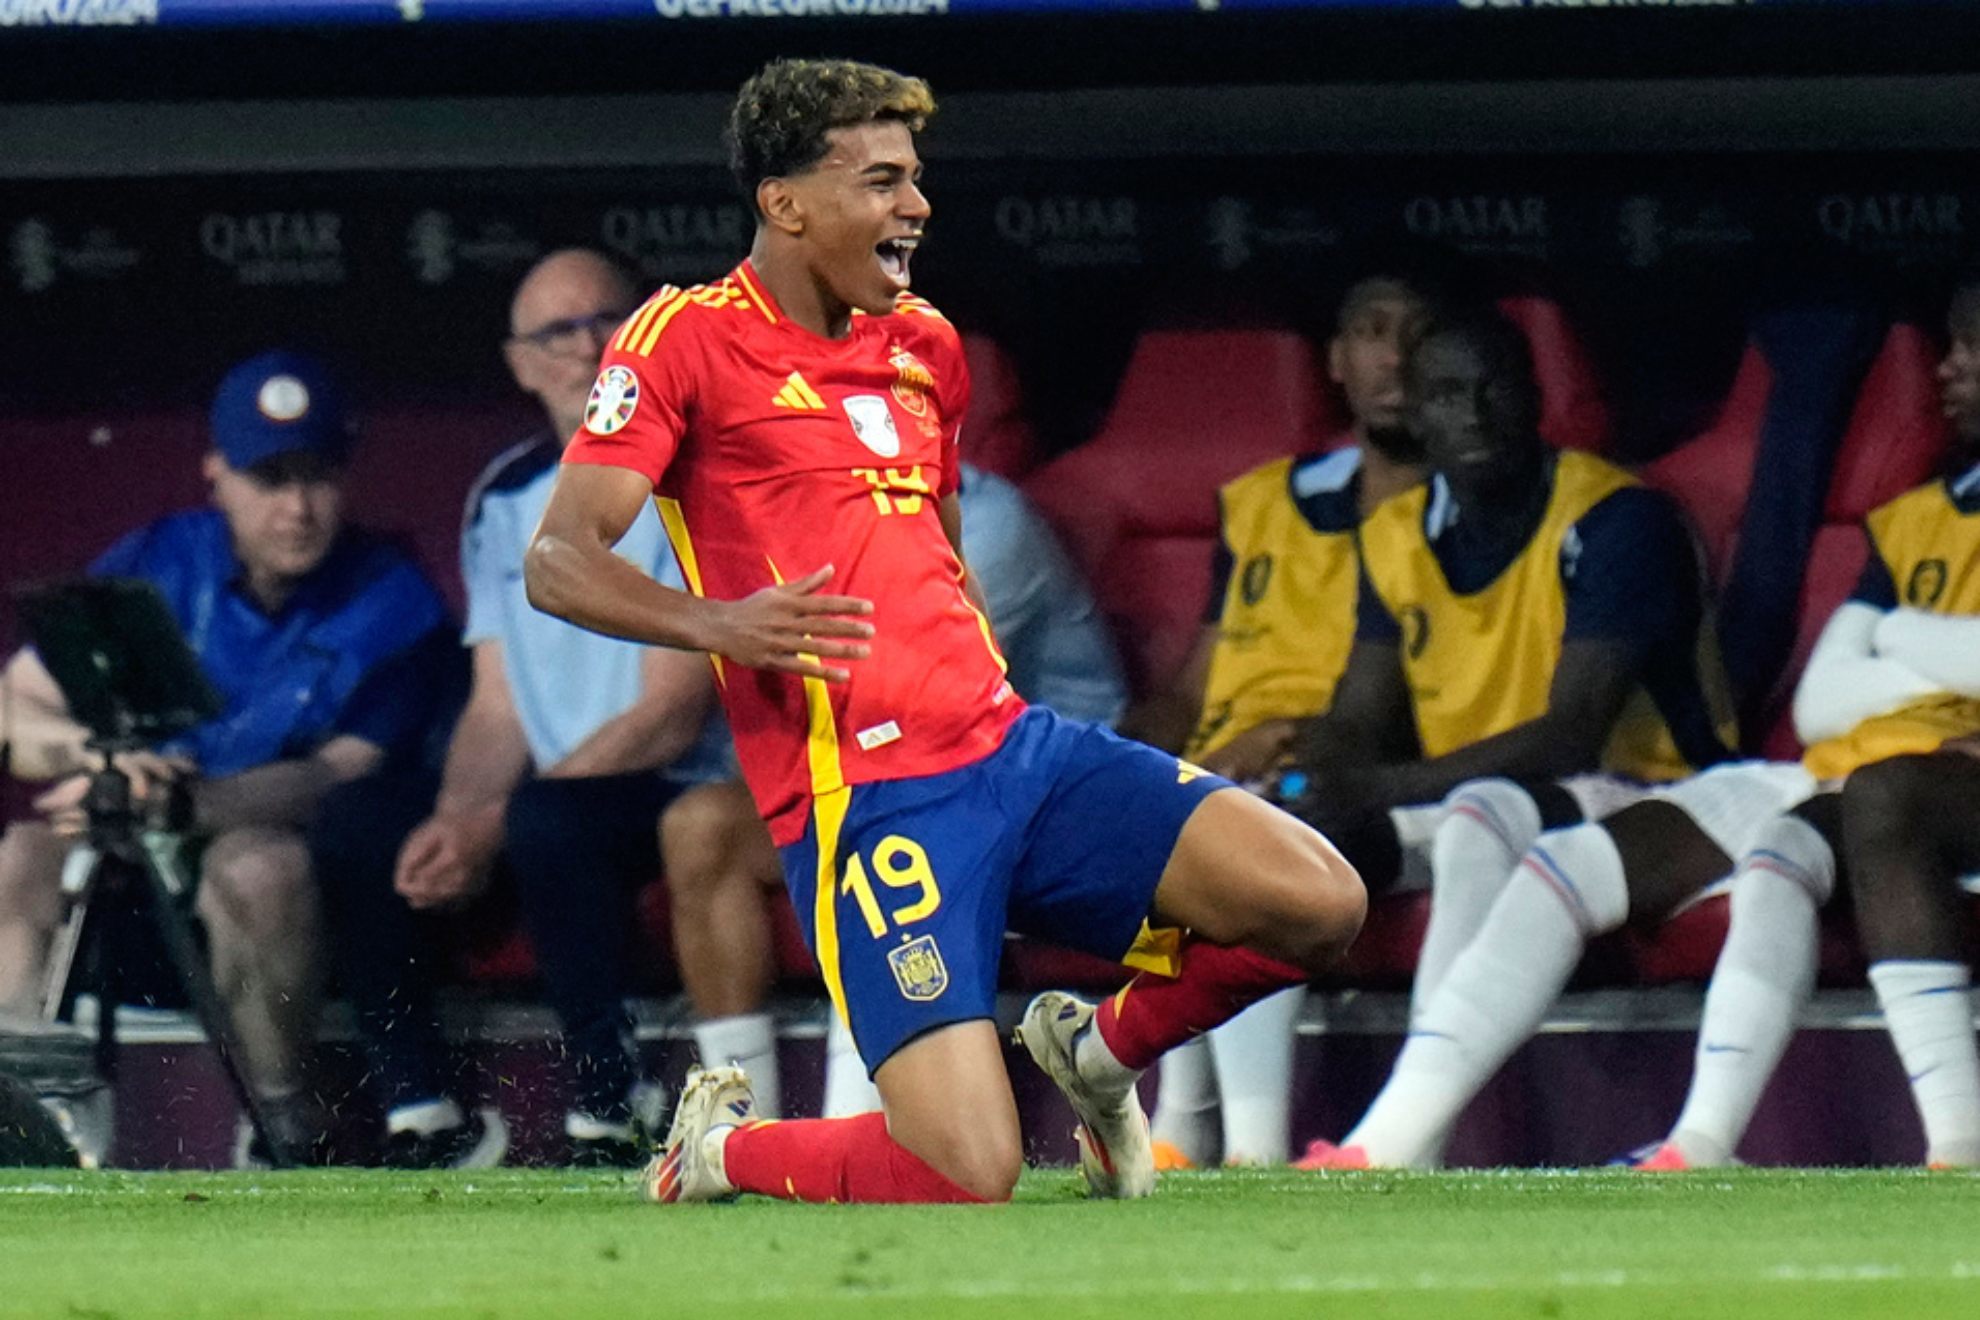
(309, 630)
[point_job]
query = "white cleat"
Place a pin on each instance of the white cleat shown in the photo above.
(1115, 1154)
(684, 1170)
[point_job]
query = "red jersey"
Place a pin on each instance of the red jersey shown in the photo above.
(774, 451)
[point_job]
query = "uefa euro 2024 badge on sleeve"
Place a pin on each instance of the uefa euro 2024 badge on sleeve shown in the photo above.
(614, 397)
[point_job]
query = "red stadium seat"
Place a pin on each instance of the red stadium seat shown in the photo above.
(1573, 414)
(1137, 504)
(1894, 440)
(1896, 436)
(1711, 473)
(997, 436)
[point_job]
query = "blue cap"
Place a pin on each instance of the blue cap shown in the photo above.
(275, 404)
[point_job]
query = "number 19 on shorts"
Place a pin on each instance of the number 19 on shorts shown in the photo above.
(899, 863)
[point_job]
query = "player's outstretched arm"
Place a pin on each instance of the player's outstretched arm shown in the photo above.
(571, 572)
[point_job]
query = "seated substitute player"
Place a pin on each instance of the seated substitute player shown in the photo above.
(1528, 614)
(1895, 674)
(797, 421)
(571, 746)
(297, 619)
(1280, 622)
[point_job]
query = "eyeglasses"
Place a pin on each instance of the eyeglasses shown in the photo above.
(573, 334)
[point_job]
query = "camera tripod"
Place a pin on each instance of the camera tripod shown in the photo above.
(131, 860)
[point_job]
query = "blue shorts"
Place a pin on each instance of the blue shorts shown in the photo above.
(1063, 832)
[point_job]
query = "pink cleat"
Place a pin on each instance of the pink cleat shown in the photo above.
(1666, 1158)
(1322, 1155)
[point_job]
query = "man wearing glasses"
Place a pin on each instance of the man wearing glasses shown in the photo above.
(569, 750)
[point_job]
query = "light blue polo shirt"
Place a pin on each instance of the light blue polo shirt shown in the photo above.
(566, 682)
(1058, 647)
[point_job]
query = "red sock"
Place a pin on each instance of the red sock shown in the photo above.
(837, 1160)
(1154, 1014)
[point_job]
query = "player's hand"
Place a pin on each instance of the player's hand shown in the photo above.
(446, 862)
(1252, 754)
(1967, 745)
(792, 629)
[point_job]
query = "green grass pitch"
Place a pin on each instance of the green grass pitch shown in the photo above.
(1749, 1244)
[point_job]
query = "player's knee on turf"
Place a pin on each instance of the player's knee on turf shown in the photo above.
(984, 1162)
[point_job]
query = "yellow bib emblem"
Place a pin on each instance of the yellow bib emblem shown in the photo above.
(918, 970)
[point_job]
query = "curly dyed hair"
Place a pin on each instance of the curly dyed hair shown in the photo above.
(782, 115)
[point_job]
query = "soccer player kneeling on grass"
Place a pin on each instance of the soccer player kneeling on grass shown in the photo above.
(797, 421)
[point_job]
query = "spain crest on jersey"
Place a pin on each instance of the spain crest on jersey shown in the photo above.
(913, 384)
(919, 970)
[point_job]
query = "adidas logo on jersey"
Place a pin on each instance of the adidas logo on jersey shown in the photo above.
(799, 395)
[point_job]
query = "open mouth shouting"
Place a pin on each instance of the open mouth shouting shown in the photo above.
(895, 254)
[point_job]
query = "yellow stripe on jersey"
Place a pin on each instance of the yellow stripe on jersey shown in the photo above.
(675, 522)
(982, 623)
(1932, 551)
(828, 813)
(756, 295)
(916, 305)
(821, 739)
(830, 797)
(636, 324)
(651, 336)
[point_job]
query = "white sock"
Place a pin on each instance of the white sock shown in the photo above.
(1097, 1065)
(1929, 1009)
(1186, 1102)
(426, 1118)
(715, 1149)
(848, 1090)
(1487, 827)
(1765, 973)
(748, 1040)
(1568, 888)
(1253, 1053)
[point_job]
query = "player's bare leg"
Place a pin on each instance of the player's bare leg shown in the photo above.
(949, 1134)
(1267, 903)
(719, 862)
(1912, 830)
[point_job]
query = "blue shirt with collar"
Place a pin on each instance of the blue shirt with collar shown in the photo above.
(289, 681)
